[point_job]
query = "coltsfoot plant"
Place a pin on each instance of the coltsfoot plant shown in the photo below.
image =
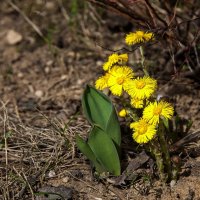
(149, 115)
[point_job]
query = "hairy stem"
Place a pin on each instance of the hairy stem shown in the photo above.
(154, 148)
(142, 61)
(164, 149)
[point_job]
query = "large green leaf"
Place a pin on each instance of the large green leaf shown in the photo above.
(105, 151)
(113, 129)
(96, 106)
(100, 111)
(86, 150)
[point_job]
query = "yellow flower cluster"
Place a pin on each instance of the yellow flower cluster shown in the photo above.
(120, 78)
(143, 131)
(138, 37)
(115, 79)
(145, 128)
(141, 88)
(156, 110)
(115, 59)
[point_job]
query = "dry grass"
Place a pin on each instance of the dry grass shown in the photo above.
(29, 153)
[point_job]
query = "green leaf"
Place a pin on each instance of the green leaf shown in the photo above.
(86, 150)
(166, 123)
(100, 111)
(104, 149)
(113, 129)
(96, 106)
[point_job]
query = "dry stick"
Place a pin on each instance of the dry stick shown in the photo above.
(64, 12)
(118, 9)
(34, 26)
(116, 193)
(155, 13)
(29, 185)
(109, 8)
(197, 56)
(151, 14)
(127, 7)
(174, 14)
(5, 118)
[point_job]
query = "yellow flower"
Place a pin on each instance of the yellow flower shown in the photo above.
(101, 82)
(123, 113)
(138, 37)
(154, 111)
(115, 59)
(137, 103)
(141, 88)
(119, 76)
(143, 131)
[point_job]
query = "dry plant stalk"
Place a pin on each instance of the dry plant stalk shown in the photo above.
(175, 24)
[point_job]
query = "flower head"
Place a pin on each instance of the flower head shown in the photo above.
(101, 82)
(123, 113)
(115, 59)
(119, 76)
(138, 37)
(143, 131)
(137, 103)
(154, 111)
(141, 88)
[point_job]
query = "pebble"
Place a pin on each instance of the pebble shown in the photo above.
(63, 77)
(51, 174)
(99, 63)
(65, 179)
(13, 37)
(39, 93)
(47, 70)
(172, 183)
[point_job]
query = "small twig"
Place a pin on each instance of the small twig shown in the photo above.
(29, 185)
(5, 118)
(119, 9)
(34, 26)
(174, 14)
(115, 192)
(155, 13)
(63, 10)
(197, 56)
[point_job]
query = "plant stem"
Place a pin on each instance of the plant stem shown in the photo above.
(154, 148)
(142, 61)
(164, 149)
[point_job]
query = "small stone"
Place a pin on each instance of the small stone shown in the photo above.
(71, 54)
(172, 183)
(39, 93)
(63, 77)
(20, 75)
(49, 62)
(99, 63)
(13, 37)
(50, 5)
(51, 174)
(65, 179)
(47, 70)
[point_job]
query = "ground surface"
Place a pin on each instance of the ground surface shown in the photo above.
(41, 84)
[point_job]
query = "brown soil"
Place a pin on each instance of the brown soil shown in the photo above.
(41, 84)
